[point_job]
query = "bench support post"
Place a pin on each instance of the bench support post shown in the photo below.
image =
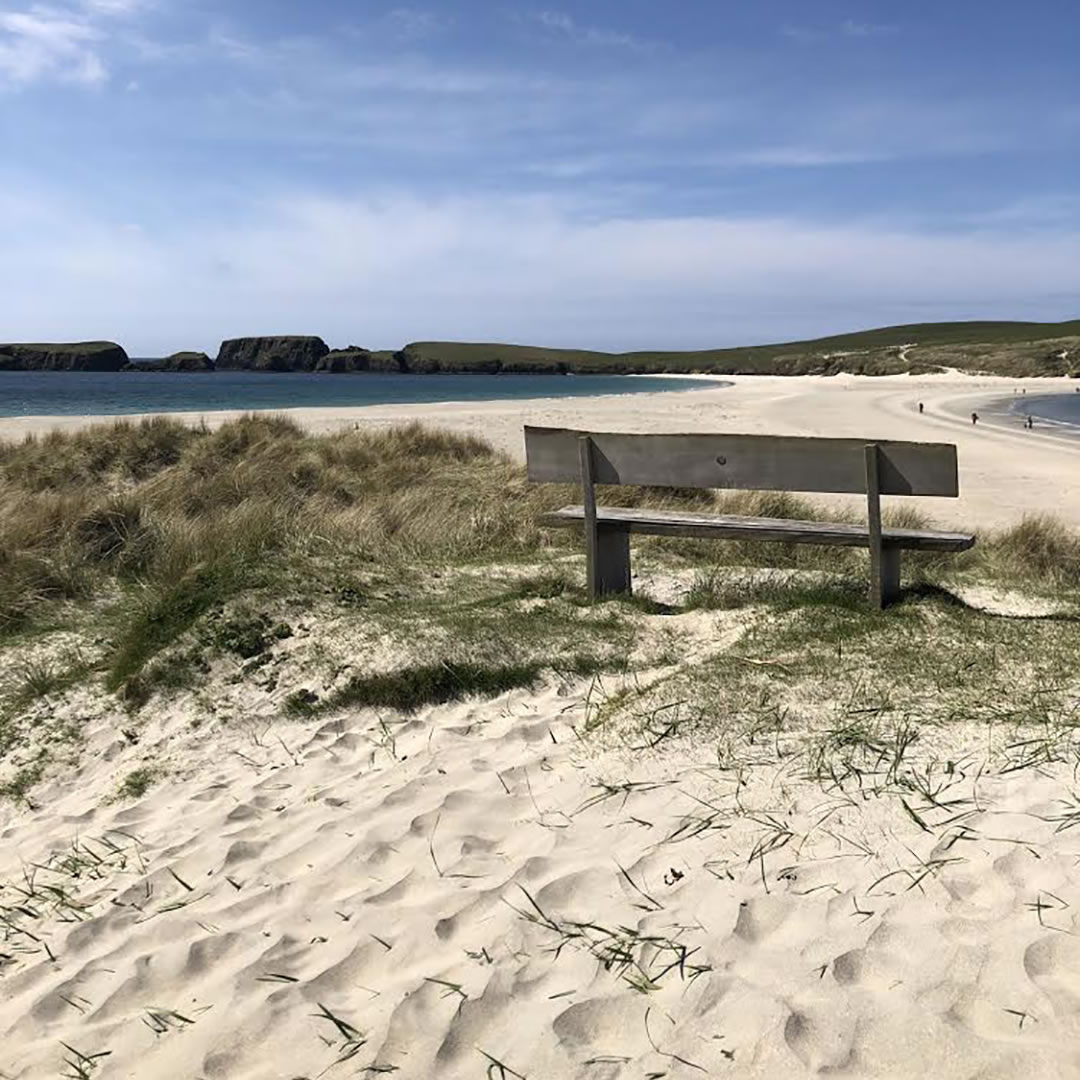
(884, 561)
(612, 562)
(592, 539)
(890, 574)
(607, 551)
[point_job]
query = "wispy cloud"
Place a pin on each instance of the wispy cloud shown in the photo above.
(801, 33)
(233, 47)
(390, 268)
(850, 28)
(44, 43)
(564, 25)
(414, 23)
(64, 45)
(803, 157)
(1034, 212)
(114, 7)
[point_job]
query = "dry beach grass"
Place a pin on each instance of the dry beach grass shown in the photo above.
(317, 762)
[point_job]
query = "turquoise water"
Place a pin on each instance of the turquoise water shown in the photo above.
(77, 393)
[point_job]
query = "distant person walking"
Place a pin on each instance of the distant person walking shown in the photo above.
(974, 417)
(920, 406)
(1029, 423)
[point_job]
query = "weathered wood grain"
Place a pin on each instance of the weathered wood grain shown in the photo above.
(742, 462)
(726, 527)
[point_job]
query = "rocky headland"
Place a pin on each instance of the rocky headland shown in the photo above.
(1014, 349)
(75, 356)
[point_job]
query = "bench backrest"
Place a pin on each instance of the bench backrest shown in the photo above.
(742, 462)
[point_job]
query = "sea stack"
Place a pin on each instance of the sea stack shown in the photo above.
(271, 354)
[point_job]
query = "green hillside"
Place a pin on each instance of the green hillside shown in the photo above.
(1003, 348)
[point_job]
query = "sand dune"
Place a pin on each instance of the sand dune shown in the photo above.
(1005, 471)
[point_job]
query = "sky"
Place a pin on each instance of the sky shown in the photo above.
(609, 174)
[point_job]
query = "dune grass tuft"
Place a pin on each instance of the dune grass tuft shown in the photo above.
(1040, 548)
(166, 614)
(410, 688)
(18, 786)
(138, 782)
(168, 508)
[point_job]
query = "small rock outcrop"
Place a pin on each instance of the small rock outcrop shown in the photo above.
(354, 359)
(271, 354)
(76, 356)
(341, 361)
(181, 361)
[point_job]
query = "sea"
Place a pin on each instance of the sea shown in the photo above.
(1057, 410)
(78, 393)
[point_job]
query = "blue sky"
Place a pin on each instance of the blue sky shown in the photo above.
(604, 173)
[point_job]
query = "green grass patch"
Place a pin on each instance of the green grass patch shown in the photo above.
(137, 783)
(173, 670)
(36, 678)
(18, 787)
(247, 635)
(433, 684)
(167, 614)
(860, 676)
(719, 589)
(413, 687)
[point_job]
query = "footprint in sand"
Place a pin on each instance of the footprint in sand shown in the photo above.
(762, 916)
(613, 1022)
(822, 1037)
(1052, 963)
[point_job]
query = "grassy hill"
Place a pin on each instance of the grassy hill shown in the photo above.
(1002, 348)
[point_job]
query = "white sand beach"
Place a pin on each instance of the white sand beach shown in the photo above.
(478, 890)
(1005, 471)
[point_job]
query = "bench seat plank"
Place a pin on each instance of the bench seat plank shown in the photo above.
(717, 527)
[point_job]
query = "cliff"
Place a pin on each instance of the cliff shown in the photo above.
(271, 354)
(354, 358)
(181, 361)
(76, 356)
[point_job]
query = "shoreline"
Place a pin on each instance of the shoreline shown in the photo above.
(14, 427)
(1005, 470)
(37, 423)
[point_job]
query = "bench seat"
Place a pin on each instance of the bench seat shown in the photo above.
(718, 527)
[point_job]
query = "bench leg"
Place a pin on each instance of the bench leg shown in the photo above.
(610, 570)
(885, 584)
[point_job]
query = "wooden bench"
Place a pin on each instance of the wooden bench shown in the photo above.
(745, 463)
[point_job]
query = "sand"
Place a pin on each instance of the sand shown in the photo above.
(478, 890)
(478, 884)
(1005, 470)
